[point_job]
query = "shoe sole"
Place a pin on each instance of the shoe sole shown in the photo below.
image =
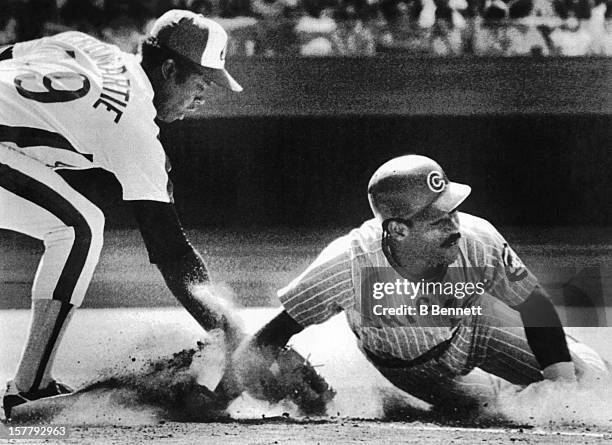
(8, 410)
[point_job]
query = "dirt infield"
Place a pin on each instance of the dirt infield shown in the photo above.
(340, 431)
(137, 406)
(111, 342)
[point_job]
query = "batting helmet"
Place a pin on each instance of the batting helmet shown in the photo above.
(406, 185)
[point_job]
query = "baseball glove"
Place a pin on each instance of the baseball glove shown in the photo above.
(292, 377)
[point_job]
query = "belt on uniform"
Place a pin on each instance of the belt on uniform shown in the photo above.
(433, 353)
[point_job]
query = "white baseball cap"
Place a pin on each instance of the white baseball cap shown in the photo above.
(197, 38)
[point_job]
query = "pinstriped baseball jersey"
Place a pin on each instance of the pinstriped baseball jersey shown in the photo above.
(71, 101)
(332, 283)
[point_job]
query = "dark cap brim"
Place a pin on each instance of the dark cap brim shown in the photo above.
(452, 197)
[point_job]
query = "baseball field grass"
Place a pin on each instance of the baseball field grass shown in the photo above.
(130, 322)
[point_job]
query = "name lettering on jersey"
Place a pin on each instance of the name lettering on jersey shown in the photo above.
(115, 83)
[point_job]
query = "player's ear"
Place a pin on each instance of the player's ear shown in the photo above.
(398, 229)
(168, 69)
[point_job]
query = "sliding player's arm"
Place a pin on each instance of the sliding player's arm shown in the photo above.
(516, 285)
(321, 291)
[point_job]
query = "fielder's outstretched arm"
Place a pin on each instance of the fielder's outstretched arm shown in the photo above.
(182, 266)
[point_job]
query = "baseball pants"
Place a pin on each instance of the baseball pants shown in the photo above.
(486, 353)
(36, 201)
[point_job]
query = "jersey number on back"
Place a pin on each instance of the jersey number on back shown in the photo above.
(43, 89)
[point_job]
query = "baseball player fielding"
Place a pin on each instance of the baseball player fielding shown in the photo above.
(71, 101)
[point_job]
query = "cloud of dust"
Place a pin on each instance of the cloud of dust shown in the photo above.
(147, 388)
(148, 381)
(144, 385)
(549, 403)
(105, 407)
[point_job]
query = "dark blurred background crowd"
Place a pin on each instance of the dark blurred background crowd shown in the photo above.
(340, 27)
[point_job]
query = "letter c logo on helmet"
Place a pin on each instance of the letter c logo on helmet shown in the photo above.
(436, 182)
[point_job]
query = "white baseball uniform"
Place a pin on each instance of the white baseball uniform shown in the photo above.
(72, 102)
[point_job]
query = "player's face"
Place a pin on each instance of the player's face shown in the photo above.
(434, 237)
(179, 97)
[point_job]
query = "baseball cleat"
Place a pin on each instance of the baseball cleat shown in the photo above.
(13, 397)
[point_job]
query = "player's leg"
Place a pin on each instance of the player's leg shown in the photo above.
(487, 353)
(496, 343)
(444, 389)
(452, 378)
(38, 202)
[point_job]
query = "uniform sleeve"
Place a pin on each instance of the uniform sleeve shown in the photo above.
(511, 281)
(323, 289)
(136, 157)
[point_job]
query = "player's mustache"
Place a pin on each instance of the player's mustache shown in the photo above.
(450, 240)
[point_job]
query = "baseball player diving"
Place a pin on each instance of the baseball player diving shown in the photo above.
(72, 102)
(455, 347)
